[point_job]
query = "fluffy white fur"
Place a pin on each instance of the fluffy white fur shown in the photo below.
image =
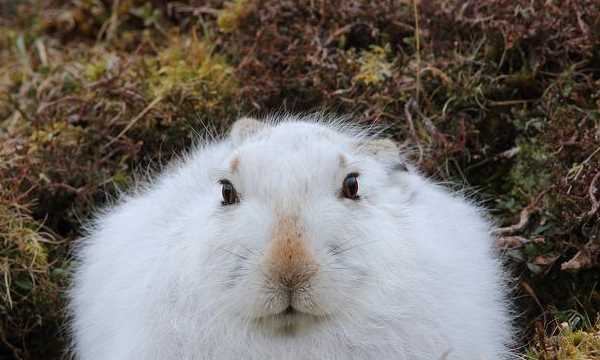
(408, 271)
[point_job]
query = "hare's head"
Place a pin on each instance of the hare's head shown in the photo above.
(304, 213)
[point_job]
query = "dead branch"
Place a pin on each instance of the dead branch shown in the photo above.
(411, 126)
(592, 194)
(523, 219)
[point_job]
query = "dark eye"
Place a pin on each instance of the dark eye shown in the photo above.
(230, 196)
(350, 186)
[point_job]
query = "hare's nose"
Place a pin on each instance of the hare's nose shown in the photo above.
(295, 277)
(289, 259)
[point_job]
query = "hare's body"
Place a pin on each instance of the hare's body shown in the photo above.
(292, 266)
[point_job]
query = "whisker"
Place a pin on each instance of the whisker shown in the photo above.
(243, 257)
(359, 245)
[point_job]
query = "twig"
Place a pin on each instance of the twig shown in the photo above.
(418, 49)
(46, 105)
(175, 9)
(507, 154)
(132, 122)
(523, 219)
(411, 126)
(6, 271)
(592, 194)
(438, 73)
(16, 351)
(338, 32)
(113, 21)
(583, 258)
(529, 290)
(511, 242)
(584, 162)
(16, 106)
(508, 102)
(41, 48)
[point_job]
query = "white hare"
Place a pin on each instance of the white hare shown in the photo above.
(292, 238)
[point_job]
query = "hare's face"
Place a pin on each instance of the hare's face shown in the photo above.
(303, 210)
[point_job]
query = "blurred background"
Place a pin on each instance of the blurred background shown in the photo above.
(500, 96)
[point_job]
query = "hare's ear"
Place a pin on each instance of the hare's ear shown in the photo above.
(244, 128)
(384, 150)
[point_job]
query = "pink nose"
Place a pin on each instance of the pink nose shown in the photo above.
(289, 259)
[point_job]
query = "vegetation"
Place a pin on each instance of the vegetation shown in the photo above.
(500, 95)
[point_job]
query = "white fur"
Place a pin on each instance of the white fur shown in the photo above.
(406, 272)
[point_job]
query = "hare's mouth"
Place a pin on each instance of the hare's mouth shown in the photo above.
(289, 311)
(289, 321)
(290, 314)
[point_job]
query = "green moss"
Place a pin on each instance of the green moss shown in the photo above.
(59, 132)
(7, 37)
(192, 67)
(24, 256)
(568, 344)
(531, 171)
(96, 69)
(232, 15)
(374, 66)
(150, 15)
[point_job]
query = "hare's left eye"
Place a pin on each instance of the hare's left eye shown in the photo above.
(229, 193)
(350, 186)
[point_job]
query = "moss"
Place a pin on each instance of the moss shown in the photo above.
(231, 16)
(95, 70)
(150, 15)
(59, 131)
(28, 289)
(190, 65)
(531, 171)
(568, 344)
(20, 235)
(374, 66)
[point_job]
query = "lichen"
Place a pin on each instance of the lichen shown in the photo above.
(374, 66)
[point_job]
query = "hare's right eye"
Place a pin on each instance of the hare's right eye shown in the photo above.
(350, 186)
(228, 192)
